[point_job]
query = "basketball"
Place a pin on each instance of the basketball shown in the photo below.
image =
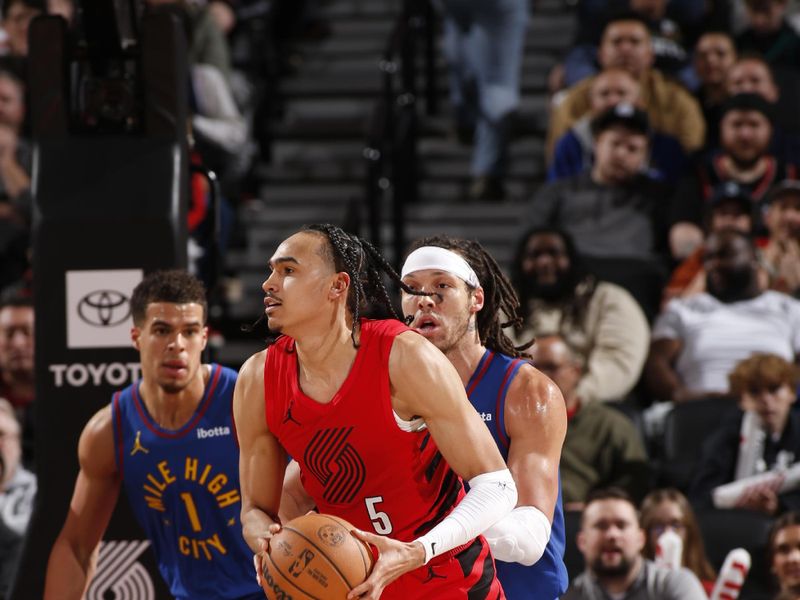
(315, 557)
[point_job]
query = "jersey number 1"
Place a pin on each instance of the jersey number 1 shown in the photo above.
(191, 510)
(380, 520)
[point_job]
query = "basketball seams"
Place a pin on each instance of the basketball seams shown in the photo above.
(362, 547)
(289, 581)
(321, 553)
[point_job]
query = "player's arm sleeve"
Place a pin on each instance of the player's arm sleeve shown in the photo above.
(521, 536)
(491, 497)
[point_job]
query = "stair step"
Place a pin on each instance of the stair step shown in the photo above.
(348, 84)
(317, 171)
(308, 194)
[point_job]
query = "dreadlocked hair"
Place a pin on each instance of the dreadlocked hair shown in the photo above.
(365, 266)
(500, 299)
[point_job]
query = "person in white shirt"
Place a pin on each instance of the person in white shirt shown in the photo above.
(697, 341)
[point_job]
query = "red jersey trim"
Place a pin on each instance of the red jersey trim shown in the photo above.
(148, 421)
(476, 378)
(511, 370)
(118, 438)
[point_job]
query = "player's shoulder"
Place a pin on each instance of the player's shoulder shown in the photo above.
(96, 445)
(253, 367)
(408, 345)
(530, 382)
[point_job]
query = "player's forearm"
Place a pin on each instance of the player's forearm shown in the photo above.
(67, 574)
(255, 527)
(490, 498)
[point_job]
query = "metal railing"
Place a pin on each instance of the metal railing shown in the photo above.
(391, 148)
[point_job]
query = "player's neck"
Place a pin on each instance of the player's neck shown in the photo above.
(173, 410)
(324, 360)
(465, 357)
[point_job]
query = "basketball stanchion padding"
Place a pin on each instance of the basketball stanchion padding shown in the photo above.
(315, 557)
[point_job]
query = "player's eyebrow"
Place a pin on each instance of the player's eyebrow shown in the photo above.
(282, 260)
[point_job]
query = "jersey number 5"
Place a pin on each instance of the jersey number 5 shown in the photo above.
(380, 520)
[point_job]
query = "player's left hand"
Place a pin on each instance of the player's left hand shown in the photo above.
(263, 544)
(394, 559)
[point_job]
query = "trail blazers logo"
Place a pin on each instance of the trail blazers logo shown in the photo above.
(119, 575)
(329, 448)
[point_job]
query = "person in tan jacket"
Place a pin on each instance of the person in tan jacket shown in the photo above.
(626, 44)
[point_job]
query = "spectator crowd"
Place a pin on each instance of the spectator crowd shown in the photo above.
(658, 270)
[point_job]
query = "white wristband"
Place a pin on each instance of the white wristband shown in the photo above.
(521, 536)
(491, 496)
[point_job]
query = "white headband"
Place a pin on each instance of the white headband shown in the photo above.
(433, 257)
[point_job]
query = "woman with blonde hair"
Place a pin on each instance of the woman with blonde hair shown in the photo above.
(669, 509)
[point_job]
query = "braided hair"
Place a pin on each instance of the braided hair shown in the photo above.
(500, 299)
(365, 266)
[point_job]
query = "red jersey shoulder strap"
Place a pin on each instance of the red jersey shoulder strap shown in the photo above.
(278, 357)
(382, 331)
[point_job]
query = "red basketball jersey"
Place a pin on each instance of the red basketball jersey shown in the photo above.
(356, 463)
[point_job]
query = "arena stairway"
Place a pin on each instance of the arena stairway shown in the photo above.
(317, 172)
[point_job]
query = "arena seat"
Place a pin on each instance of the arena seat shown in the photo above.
(685, 430)
(724, 530)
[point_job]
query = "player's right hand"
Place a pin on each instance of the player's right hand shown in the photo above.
(394, 559)
(263, 544)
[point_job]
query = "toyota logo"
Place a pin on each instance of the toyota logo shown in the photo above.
(104, 308)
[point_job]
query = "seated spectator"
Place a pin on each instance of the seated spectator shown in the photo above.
(15, 165)
(698, 340)
(670, 53)
(219, 131)
(574, 151)
(17, 17)
(769, 34)
(602, 447)
(611, 542)
(762, 437)
(730, 208)
(614, 212)
(626, 44)
(668, 509)
(744, 157)
(782, 252)
(784, 555)
(17, 381)
(600, 321)
(714, 55)
(64, 8)
(207, 43)
(17, 492)
(753, 75)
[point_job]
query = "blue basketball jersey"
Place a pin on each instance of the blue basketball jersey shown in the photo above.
(183, 487)
(547, 579)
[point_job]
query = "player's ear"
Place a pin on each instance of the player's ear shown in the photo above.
(135, 335)
(340, 285)
(476, 302)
